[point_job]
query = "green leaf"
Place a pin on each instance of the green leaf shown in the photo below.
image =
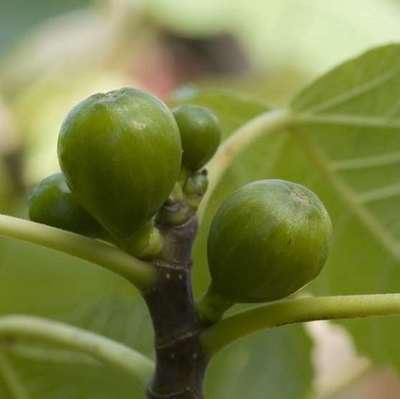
(345, 146)
(275, 364)
(40, 282)
(349, 131)
(57, 381)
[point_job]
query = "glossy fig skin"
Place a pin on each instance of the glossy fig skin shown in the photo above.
(52, 203)
(121, 154)
(200, 133)
(267, 240)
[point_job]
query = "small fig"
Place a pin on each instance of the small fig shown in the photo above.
(267, 240)
(200, 133)
(52, 203)
(121, 155)
(195, 188)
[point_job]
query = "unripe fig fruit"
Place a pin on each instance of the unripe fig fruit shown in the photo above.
(267, 240)
(121, 154)
(200, 133)
(52, 203)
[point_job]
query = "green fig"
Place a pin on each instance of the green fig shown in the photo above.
(200, 133)
(267, 240)
(52, 203)
(121, 155)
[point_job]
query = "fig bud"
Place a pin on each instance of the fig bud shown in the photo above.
(200, 133)
(121, 155)
(266, 241)
(52, 203)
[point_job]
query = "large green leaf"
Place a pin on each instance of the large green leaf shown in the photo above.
(345, 146)
(349, 133)
(274, 364)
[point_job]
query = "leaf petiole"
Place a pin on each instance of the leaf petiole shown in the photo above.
(140, 273)
(299, 310)
(27, 328)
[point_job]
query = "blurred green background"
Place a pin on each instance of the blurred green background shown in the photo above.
(54, 53)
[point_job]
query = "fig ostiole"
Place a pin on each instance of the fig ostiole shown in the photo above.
(267, 240)
(53, 203)
(200, 133)
(121, 155)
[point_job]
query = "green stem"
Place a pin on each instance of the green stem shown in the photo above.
(140, 273)
(292, 311)
(16, 328)
(263, 124)
(11, 379)
(211, 307)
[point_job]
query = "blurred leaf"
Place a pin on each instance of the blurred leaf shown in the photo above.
(351, 135)
(274, 364)
(195, 17)
(56, 381)
(311, 35)
(276, 86)
(17, 17)
(41, 282)
(5, 188)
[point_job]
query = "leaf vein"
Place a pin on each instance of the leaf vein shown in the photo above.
(356, 91)
(379, 194)
(366, 162)
(346, 193)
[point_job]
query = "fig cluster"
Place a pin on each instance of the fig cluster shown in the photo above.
(128, 161)
(121, 154)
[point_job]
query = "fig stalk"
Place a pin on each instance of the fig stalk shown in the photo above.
(211, 307)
